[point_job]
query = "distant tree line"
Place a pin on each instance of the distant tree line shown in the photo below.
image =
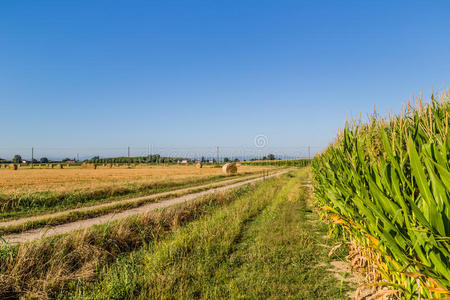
(301, 162)
(156, 159)
(17, 159)
(149, 159)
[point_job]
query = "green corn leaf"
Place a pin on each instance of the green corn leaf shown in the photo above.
(421, 179)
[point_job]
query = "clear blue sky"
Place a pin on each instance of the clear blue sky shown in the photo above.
(206, 73)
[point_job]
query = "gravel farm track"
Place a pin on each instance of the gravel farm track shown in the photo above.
(35, 234)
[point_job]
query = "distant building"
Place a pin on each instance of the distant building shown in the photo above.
(184, 161)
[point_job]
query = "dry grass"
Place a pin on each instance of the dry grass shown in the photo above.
(76, 179)
(40, 269)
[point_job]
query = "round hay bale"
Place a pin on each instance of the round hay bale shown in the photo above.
(229, 168)
(58, 166)
(199, 165)
(12, 166)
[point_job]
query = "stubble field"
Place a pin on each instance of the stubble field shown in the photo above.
(29, 190)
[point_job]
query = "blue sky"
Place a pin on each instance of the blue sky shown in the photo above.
(207, 73)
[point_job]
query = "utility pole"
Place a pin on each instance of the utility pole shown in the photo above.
(309, 152)
(32, 156)
(217, 154)
(128, 151)
(78, 157)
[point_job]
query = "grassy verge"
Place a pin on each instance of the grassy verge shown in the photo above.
(52, 266)
(24, 205)
(113, 208)
(259, 246)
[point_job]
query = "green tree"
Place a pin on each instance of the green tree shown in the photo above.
(271, 157)
(17, 159)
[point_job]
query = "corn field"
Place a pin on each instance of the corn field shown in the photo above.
(385, 184)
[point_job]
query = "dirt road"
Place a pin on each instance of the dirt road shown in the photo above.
(24, 220)
(65, 228)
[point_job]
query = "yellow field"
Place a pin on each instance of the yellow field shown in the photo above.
(77, 179)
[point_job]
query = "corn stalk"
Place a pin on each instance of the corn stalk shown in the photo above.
(387, 183)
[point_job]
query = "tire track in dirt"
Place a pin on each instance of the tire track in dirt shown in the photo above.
(35, 234)
(24, 220)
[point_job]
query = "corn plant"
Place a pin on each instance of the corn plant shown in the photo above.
(386, 183)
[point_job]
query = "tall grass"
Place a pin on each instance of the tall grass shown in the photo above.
(386, 184)
(51, 266)
(261, 246)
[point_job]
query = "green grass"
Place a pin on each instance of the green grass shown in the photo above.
(46, 267)
(262, 245)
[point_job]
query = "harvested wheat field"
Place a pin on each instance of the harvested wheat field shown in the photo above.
(29, 191)
(62, 180)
